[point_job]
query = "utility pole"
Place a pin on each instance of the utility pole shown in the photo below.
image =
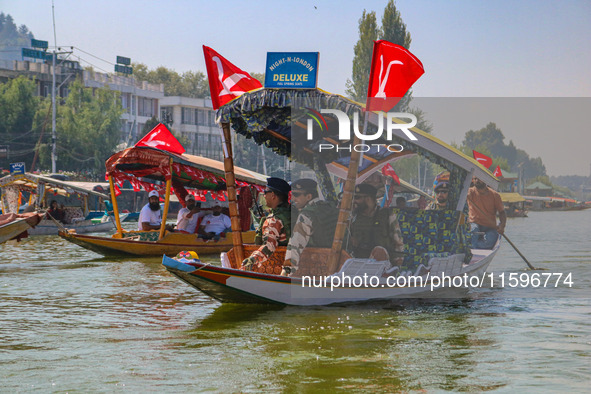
(53, 114)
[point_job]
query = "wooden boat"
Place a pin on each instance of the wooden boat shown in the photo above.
(273, 117)
(181, 174)
(514, 205)
(75, 196)
(15, 226)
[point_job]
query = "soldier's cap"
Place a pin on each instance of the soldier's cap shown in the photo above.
(153, 193)
(190, 197)
(278, 185)
(305, 185)
(442, 186)
(367, 189)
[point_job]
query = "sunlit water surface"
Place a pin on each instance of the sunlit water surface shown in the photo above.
(73, 321)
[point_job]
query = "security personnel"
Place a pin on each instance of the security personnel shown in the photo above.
(315, 225)
(275, 229)
(372, 226)
(441, 197)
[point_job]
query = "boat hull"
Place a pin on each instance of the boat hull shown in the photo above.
(48, 227)
(171, 244)
(13, 229)
(231, 285)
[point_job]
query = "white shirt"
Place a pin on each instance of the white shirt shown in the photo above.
(147, 215)
(185, 223)
(216, 224)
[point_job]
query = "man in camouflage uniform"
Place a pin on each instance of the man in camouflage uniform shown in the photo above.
(441, 196)
(275, 229)
(315, 224)
(374, 230)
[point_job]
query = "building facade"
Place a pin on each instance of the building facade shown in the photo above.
(194, 120)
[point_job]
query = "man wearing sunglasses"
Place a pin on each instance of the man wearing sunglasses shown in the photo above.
(275, 229)
(441, 197)
(315, 224)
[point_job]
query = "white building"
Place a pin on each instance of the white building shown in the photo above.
(194, 119)
(140, 100)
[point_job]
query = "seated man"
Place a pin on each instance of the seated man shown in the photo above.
(484, 204)
(372, 227)
(315, 225)
(150, 216)
(275, 229)
(214, 224)
(400, 202)
(188, 216)
(441, 197)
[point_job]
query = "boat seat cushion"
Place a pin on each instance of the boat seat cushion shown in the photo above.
(72, 213)
(431, 233)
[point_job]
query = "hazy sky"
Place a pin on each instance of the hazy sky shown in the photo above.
(470, 48)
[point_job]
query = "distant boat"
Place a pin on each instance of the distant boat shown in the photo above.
(187, 173)
(73, 195)
(514, 205)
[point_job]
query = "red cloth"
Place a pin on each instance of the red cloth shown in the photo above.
(482, 159)
(161, 138)
(226, 81)
(393, 71)
(388, 170)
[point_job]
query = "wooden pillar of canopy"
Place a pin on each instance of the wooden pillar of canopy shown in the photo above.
(115, 207)
(231, 189)
(166, 204)
(344, 208)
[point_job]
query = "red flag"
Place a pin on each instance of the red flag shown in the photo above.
(393, 71)
(498, 172)
(226, 81)
(387, 170)
(161, 138)
(482, 159)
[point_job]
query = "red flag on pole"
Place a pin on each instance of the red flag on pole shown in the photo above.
(226, 81)
(387, 170)
(498, 172)
(482, 159)
(161, 138)
(393, 71)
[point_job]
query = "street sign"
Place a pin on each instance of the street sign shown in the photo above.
(39, 44)
(17, 168)
(36, 54)
(123, 69)
(291, 70)
(123, 60)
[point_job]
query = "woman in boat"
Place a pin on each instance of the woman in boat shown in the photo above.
(56, 212)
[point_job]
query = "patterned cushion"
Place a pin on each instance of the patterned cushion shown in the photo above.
(432, 233)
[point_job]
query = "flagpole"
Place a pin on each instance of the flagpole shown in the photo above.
(346, 203)
(166, 203)
(231, 189)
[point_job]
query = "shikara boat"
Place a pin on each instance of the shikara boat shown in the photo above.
(16, 226)
(436, 243)
(75, 196)
(171, 173)
(514, 205)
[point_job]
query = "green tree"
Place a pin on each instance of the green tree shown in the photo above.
(88, 129)
(368, 33)
(13, 38)
(18, 105)
(189, 84)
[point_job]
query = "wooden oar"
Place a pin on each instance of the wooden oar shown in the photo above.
(510, 243)
(520, 254)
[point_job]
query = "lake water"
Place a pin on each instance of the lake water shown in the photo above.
(72, 321)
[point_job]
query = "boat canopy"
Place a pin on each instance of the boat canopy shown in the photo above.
(511, 197)
(278, 119)
(199, 174)
(30, 183)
